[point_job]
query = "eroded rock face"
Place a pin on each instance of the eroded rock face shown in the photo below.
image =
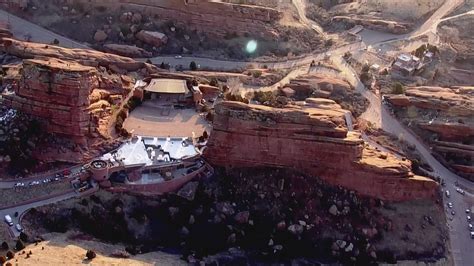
(445, 118)
(71, 98)
(313, 139)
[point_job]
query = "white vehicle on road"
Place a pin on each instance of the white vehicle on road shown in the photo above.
(460, 191)
(19, 228)
(447, 193)
(8, 220)
(450, 205)
(178, 56)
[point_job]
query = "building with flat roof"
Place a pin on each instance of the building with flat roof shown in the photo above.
(166, 90)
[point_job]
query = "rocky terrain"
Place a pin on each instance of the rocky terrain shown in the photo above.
(176, 27)
(326, 86)
(64, 102)
(254, 215)
(444, 118)
(315, 139)
(458, 54)
(384, 15)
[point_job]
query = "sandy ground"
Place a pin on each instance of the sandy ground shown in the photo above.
(65, 249)
(151, 121)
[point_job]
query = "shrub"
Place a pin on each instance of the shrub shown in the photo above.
(19, 245)
(364, 77)
(162, 65)
(23, 237)
(193, 66)
(264, 96)
(257, 73)
(5, 245)
(214, 82)
(149, 61)
(365, 68)
(398, 88)
(90, 254)
(55, 41)
(3, 259)
(10, 255)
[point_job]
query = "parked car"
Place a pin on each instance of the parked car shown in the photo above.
(447, 193)
(450, 205)
(472, 235)
(453, 213)
(460, 191)
(468, 211)
(470, 227)
(178, 56)
(66, 172)
(468, 218)
(19, 228)
(8, 220)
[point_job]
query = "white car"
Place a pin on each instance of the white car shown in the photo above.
(460, 191)
(468, 211)
(447, 193)
(470, 227)
(8, 220)
(468, 218)
(19, 228)
(450, 205)
(178, 56)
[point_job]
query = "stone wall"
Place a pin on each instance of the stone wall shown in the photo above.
(314, 140)
(210, 17)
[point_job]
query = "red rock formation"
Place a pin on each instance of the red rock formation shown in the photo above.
(67, 96)
(446, 115)
(204, 15)
(28, 50)
(313, 139)
(57, 91)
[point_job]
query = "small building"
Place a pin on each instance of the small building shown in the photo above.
(406, 64)
(166, 91)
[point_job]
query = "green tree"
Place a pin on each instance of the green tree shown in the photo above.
(398, 88)
(193, 66)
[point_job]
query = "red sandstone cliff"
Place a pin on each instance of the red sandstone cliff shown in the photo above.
(311, 138)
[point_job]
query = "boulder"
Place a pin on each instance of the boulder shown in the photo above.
(188, 191)
(100, 36)
(127, 50)
(154, 38)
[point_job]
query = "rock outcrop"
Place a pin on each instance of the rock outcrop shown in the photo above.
(66, 96)
(152, 37)
(127, 50)
(203, 15)
(28, 50)
(314, 139)
(375, 24)
(446, 118)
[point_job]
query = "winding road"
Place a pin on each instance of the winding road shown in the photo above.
(462, 246)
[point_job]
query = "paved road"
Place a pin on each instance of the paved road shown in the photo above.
(301, 8)
(11, 183)
(23, 208)
(20, 28)
(462, 245)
